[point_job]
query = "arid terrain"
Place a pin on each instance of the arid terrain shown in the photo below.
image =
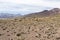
(33, 27)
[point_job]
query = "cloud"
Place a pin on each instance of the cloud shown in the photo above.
(51, 0)
(27, 6)
(47, 3)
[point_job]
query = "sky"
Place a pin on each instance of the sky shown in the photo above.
(27, 6)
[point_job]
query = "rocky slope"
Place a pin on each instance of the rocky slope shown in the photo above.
(30, 28)
(45, 13)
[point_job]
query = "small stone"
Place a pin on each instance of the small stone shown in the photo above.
(18, 34)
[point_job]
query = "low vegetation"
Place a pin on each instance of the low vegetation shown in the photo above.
(30, 28)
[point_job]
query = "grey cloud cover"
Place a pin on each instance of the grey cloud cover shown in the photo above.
(12, 7)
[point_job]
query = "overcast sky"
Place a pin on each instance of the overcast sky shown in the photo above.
(27, 6)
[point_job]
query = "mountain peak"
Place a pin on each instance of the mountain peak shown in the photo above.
(56, 10)
(51, 12)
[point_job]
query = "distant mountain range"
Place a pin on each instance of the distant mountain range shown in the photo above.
(8, 15)
(51, 12)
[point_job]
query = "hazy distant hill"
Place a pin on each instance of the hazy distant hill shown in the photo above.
(8, 15)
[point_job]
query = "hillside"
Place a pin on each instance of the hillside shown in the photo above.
(31, 28)
(45, 13)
